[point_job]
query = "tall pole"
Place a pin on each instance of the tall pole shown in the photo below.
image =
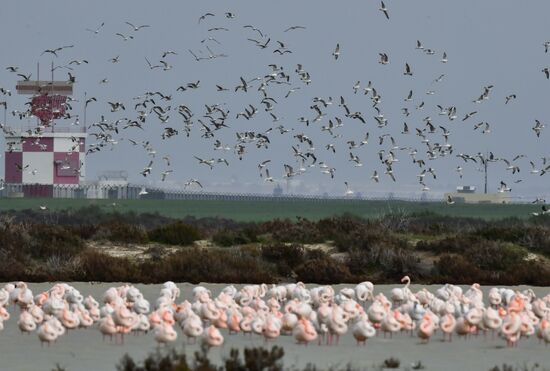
(486, 166)
(85, 110)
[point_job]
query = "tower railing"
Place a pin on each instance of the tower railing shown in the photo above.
(25, 130)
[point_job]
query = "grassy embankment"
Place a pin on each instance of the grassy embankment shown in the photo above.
(256, 211)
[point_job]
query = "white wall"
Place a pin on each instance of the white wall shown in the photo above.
(63, 145)
(42, 162)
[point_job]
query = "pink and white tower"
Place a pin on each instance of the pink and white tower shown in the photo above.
(45, 155)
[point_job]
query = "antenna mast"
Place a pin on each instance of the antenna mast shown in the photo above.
(486, 167)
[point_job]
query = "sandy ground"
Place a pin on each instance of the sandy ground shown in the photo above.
(85, 349)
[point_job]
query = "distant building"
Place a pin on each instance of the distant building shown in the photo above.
(278, 190)
(43, 156)
(111, 184)
(467, 194)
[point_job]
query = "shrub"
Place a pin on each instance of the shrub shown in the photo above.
(213, 265)
(285, 256)
(97, 266)
(47, 240)
(451, 245)
(391, 363)
(175, 234)
(121, 232)
(302, 231)
(228, 238)
(255, 359)
(456, 269)
(489, 255)
(291, 254)
(323, 271)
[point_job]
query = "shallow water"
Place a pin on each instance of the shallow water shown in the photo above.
(85, 349)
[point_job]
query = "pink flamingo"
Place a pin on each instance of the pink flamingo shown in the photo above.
(511, 329)
(304, 332)
(26, 322)
(165, 333)
(447, 325)
(362, 330)
(426, 328)
(272, 328)
(213, 337)
(69, 319)
(544, 331)
(234, 321)
(107, 327)
(47, 333)
(4, 314)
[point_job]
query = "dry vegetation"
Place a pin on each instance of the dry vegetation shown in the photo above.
(94, 245)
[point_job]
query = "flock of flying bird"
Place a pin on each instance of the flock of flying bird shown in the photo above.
(317, 314)
(326, 115)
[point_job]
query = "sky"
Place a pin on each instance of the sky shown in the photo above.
(497, 42)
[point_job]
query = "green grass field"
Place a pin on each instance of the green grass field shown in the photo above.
(266, 210)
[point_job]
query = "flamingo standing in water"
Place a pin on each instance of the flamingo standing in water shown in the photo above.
(399, 295)
(107, 327)
(390, 323)
(192, 326)
(47, 333)
(337, 325)
(212, 337)
(272, 328)
(544, 331)
(511, 328)
(362, 330)
(426, 328)
(26, 322)
(165, 333)
(308, 314)
(492, 319)
(448, 325)
(304, 332)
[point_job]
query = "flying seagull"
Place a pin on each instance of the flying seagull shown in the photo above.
(202, 17)
(544, 211)
(254, 29)
(125, 38)
(192, 181)
(294, 28)
(96, 31)
(137, 28)
(336, 52)
(384, 9)
(408, 71)
(54, 51)
(510, 97)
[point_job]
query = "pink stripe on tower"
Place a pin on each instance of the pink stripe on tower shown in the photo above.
(37, 144)
(12, 173)
(65, 168)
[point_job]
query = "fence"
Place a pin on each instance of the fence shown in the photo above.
(132, 191)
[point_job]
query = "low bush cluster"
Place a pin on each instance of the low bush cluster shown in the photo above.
(177, 233)
(53, 246)
(252, 359)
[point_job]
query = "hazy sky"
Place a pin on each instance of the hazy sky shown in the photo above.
(494, 42)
